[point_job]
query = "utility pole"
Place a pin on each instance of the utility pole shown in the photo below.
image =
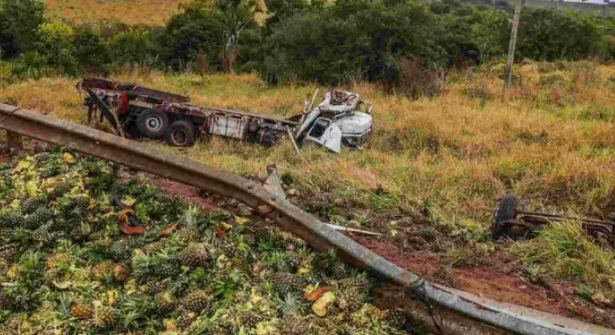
(513, 44)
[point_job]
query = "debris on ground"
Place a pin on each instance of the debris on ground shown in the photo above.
(69, 263)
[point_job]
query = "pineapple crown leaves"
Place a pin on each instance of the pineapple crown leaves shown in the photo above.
(191, 217)
(290, 304)
(225, 289)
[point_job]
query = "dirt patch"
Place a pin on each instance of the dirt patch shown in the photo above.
(502, 280)
(186, 193)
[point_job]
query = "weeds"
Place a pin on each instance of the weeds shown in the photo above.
(564, 251)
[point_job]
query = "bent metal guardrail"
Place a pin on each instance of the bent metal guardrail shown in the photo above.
(460, 312)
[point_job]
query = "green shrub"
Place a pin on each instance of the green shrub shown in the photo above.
(19, 22)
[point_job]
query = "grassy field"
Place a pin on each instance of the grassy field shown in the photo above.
(550, 141)
(130, 12)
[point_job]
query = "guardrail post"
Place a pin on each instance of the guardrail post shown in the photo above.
(15, 141)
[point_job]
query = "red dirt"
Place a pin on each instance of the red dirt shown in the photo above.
(186, 193)
(501, 280)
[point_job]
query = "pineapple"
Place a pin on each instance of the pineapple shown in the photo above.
(101, 246)
(152, 288)
(38, 218)
(119, 250)
(165, 302)
(250, 319)
(82, 310)
(97, 235)
(43, 235)
(186, 319)
(8, 252)
(286, 283)
(197, 301)
(59, 189)
(9, 219)
(195, 254)
(121, 273)
(168, 269)
(103, 271)
(153, 247)
(350, 299)
(57, 259)
(82, 203)
(104, 317)
(396, 318)
(30, 205)
(79, 232)
(189, 234)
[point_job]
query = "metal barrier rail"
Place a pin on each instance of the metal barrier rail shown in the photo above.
(465, 313)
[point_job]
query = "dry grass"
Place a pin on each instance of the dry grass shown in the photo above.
(456, 152)
(130, 12)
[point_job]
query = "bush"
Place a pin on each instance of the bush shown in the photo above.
(416, 82)
(351, 39)
(134, 47)
(553, 35)
(91, 50)
(56, 45)
(19, 22)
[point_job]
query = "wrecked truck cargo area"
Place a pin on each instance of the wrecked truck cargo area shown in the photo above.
(133, 111)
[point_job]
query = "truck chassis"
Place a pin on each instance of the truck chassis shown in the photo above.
(136, 112)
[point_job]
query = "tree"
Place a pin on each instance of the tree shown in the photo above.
(19, 23)
(233, 16)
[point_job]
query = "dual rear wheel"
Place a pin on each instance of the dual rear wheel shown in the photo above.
(154, 124)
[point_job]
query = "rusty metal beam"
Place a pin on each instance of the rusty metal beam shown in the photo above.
(519, 320)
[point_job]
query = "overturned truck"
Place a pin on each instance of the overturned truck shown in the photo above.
(341, 118)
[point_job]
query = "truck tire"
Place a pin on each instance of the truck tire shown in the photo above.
(181, 134)
(153, 123)
(507, 210)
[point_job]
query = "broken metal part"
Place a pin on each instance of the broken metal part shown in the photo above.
(273, 183)
(518, 320)
(523, 224)
(353, 230)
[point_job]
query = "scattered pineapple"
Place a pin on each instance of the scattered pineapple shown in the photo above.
(165, 302)
(196, 301)
(121, 272)
(11, 218)
(396, 318)
(8, 252)
(38, 218)
(78, 262)
(195, 254)
(250, 319)
(82, 310)
(188, 234)
(30, 205)
(286, 283)
(104, 317)
(166, 270)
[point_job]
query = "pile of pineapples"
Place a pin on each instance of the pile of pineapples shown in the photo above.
(67, 268)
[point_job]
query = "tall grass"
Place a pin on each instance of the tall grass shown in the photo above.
(564, 251)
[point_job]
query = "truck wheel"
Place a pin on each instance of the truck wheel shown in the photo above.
(507, 210)
(181, 134)
(153, 123)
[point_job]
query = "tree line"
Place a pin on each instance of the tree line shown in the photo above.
(301, 40)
